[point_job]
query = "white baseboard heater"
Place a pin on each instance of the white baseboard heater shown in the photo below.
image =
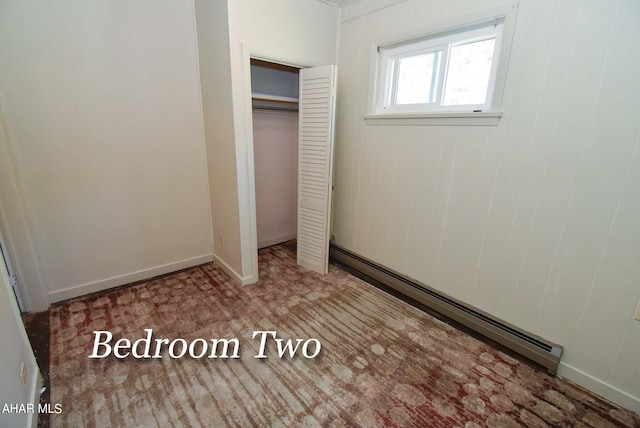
(536, 349)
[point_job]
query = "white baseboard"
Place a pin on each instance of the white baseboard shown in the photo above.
(92, 287)
(276, 240)
(235, 276)
(603, 389)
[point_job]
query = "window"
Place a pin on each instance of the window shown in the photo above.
(450, 71)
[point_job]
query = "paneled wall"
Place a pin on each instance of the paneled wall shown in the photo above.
(534, 220)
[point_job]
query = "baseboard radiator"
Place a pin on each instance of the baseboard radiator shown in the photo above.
(536, 349)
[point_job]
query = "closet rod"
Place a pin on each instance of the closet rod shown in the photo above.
(275, 108)
(267, 97)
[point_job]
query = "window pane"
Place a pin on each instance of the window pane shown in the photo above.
(469, 72)
(416, 78)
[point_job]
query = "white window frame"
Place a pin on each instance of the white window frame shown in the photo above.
(462, 31)
(389, 70)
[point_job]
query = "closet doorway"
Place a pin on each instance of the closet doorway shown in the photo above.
(274, 90)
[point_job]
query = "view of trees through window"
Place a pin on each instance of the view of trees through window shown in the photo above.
(417, 78)
(454, 71)
(469, 73)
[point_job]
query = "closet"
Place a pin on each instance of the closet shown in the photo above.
(274, 89)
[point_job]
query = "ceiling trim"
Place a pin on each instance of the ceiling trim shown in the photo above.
(337, 3)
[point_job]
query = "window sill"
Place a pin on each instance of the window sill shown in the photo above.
(483, 118)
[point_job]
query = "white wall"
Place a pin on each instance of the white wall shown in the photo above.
(299, 32)
(534, 220)
(102, 108)
(16, 351)
(212, 22)
(275, 147)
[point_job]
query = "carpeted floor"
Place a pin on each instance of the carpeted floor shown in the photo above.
(37, 327)
(382, 363)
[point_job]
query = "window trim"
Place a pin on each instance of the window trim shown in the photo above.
(438, 118)
(389, 59)
(376, 115)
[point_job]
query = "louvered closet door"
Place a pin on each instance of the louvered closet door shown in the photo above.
(315, 165)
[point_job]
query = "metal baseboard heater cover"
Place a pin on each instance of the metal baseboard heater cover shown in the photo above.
(536, 349)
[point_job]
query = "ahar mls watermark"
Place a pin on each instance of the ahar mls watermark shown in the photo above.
(149, 347)
(17, 408)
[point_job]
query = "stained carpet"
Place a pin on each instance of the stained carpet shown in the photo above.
(382, 362)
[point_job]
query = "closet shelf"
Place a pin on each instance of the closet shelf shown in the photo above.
(267, 97)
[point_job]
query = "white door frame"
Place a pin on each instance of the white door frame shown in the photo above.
(252, 250)
(4, 252)
(17, 231)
